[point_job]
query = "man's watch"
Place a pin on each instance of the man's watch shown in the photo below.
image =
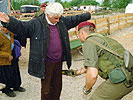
(85, 91)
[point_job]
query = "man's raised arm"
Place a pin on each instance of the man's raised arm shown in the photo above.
(4, 17)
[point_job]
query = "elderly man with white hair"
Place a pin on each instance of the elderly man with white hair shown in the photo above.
(49, 45)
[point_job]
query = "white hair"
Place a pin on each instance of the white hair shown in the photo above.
(54, 8)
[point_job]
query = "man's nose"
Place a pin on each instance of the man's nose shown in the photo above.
(57, 20)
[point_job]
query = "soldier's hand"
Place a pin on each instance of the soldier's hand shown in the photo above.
(86, 92)
(4, 17)
(10, 58)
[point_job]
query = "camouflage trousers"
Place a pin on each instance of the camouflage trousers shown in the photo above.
(109, 91)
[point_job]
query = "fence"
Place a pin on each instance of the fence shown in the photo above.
(70, 13)
(29, 16)
(107, 25)
(26, 16)
(103, 25)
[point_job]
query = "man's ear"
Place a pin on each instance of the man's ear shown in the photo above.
(82, 32)
(48, 15)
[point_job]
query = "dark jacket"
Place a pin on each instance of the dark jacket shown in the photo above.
(37, 30)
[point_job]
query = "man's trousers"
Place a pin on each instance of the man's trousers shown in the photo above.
(51, 86)
(109, 91)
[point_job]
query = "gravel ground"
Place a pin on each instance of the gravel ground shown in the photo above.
(72, 86)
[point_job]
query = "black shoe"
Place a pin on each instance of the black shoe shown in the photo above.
(20, 89)
(9, 93)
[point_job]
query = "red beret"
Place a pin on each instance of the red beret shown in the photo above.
(85, 23)
(43, 5)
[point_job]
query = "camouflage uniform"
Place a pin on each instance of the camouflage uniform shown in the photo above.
(107, 90)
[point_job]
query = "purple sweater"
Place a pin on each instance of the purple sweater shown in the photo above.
(54, 53)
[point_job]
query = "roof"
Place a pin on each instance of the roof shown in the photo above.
(29, 6)
(129, 8)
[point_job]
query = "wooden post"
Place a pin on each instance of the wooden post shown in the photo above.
(132, 19)
(118, 22)
(103, 13)
(126, 20)
(9, 7)
(108, 25)
(13, 9)
(95, 25)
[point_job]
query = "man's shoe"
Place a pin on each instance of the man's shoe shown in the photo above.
(20, 89)
(9, 93)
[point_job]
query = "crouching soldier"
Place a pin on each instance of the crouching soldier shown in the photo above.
(105, 57)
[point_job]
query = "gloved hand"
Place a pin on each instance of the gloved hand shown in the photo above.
(86, 92)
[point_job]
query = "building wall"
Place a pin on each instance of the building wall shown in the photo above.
(4, 6)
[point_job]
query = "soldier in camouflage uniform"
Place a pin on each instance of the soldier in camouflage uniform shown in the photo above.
(42, 9)
(99, 61)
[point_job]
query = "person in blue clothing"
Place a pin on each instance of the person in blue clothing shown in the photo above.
(49, 45)
(16, 53)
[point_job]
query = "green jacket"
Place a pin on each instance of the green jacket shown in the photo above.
(98, 57)
(37, 14)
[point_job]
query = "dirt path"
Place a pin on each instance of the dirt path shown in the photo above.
(72, 87)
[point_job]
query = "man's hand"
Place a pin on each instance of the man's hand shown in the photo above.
(10, 58)
(4, 17)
